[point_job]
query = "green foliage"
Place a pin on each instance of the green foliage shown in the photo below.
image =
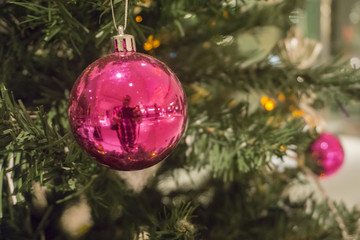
(235, 140)
(220, 50)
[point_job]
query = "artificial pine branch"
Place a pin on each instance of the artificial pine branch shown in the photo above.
(44, 45)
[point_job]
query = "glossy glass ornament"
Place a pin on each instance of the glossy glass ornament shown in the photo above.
(329, 153)
(127, 110)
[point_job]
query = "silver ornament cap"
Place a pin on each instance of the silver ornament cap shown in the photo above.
(123, 42)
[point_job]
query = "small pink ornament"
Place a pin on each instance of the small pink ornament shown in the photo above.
(127, 109)
(329, 153)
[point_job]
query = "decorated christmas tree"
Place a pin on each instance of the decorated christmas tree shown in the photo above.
(98, 141)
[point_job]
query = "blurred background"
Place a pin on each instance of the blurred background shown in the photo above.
(336, 24)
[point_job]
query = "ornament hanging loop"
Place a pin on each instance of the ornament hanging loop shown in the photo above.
(125, 17)
(122, 42)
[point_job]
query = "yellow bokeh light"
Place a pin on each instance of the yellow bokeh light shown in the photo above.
(225, 14)
(213, 23)
(148, 46)
(298, 113)
(282, 148)
(206, 45)
(281, 97)
(153, 154)
(139, 18)
(232, 103)
(264, 100)
(150, 38)
(269, 105)
(151, 43)
(156, 43)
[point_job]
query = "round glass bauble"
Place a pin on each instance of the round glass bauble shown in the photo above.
(328, 152)
(128, 110)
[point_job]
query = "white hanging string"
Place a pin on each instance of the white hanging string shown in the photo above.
(120, 28)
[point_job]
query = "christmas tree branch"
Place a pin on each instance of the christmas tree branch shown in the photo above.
(339, 219)
(46, 44)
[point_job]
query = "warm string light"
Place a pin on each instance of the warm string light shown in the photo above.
(225, 14)
(281, 97)
(264, 99)
(151, 43)
(270, 103)
(138, 18)
(298, 113)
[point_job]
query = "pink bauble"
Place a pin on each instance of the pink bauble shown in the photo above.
(128, 110)
(329, 153)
